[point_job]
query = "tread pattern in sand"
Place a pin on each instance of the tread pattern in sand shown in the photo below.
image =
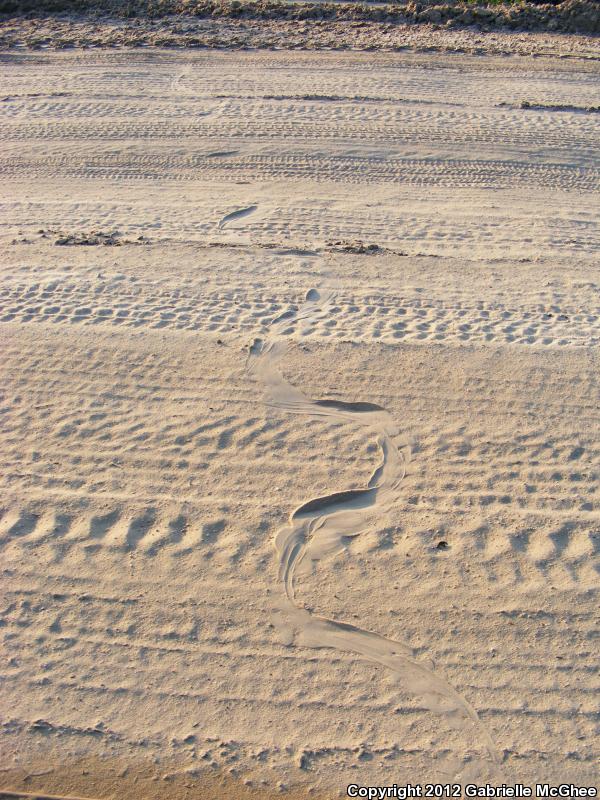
(142, 484)
(549, 317)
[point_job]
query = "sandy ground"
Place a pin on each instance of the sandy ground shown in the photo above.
(159, 212)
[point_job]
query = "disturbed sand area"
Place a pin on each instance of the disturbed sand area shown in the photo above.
(159, 211)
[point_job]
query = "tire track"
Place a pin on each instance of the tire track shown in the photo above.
(336, 168)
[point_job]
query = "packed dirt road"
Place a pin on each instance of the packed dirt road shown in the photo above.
(160, 213)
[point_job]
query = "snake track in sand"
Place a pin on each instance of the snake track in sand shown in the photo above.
(322, 525)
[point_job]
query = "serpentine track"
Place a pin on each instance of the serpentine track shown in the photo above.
(321, 526)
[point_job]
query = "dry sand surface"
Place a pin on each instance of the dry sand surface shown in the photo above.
(185, 271)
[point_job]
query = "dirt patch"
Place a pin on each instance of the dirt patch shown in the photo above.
(572, 16)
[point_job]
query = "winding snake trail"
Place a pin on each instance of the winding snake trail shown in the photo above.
(321, 527)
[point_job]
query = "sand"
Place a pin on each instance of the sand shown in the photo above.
(237, 282)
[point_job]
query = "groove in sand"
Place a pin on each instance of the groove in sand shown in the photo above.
(242, 212)
(322, 526)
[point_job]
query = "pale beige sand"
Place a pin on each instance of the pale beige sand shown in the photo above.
(144, 479)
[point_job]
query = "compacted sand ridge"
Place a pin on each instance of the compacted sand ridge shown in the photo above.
(348, 300)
